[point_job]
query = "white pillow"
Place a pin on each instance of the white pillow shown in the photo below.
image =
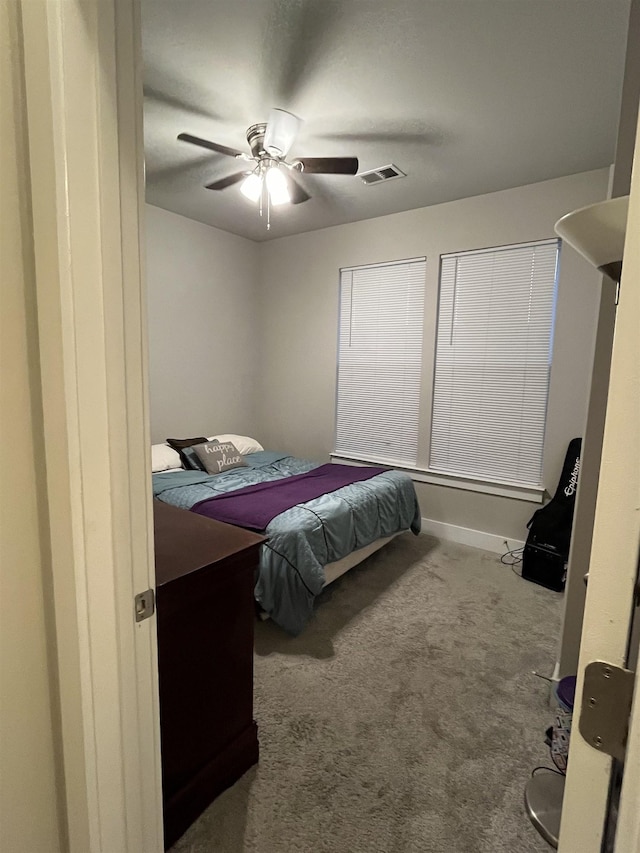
(244, 443)
(164, 458)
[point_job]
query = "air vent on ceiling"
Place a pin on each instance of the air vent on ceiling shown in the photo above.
(383, 173)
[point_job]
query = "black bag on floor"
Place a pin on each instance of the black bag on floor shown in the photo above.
(547, 547)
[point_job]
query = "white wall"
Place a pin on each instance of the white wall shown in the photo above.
(30, 776)
(298, 298)
(201, 285)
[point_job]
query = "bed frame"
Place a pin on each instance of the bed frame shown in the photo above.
(332, 571)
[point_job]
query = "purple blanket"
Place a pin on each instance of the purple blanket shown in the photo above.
(255, 506)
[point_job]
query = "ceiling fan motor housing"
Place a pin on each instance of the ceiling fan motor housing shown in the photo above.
(255, 138)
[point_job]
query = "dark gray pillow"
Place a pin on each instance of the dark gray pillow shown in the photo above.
(180, 444)
(191, 460)
(217, 457)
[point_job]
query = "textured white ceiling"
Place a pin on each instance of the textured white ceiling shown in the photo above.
(465, 96)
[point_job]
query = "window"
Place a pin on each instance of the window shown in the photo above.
(380, 361)
(490, 371)
(493, 359)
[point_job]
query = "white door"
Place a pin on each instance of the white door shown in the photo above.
(612, 575)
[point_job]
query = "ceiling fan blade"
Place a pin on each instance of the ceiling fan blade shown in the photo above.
(396, 136)
(282, 129)
(229, 181)
(296, 39)
(174, 102)
(296, 191)
(328, 165)
(212, 146)
(184, 172)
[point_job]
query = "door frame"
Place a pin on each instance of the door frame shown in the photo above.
(83, 84)
(613, 572)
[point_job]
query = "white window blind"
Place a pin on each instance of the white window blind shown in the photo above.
(380, 361)
(493, 359)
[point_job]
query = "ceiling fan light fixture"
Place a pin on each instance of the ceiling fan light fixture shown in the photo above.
(251, 187)
(277, 186)
(270, 143)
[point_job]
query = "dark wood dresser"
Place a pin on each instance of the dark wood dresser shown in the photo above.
(205, 614)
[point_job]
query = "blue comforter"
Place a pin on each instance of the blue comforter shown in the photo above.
(302, 540)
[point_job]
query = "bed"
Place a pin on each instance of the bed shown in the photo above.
(314, 540)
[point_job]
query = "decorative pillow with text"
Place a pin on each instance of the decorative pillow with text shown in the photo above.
(219, 456)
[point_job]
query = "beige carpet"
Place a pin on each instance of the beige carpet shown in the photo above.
(405, 719)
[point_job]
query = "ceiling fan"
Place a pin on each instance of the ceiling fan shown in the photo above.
(270, 143)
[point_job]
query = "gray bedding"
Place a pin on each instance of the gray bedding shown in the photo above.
(302, 540)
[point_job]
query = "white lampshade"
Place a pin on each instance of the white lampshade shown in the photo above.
(597, 232)
(277, 186)
(251, 187)
(282, 129)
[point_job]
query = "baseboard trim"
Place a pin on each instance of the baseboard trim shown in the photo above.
(468, 536)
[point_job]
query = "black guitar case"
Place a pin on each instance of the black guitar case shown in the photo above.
(546, 550)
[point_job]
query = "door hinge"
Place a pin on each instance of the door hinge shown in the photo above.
(145, 604)
(606, 707)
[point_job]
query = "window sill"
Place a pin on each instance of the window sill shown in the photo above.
(532, 494)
